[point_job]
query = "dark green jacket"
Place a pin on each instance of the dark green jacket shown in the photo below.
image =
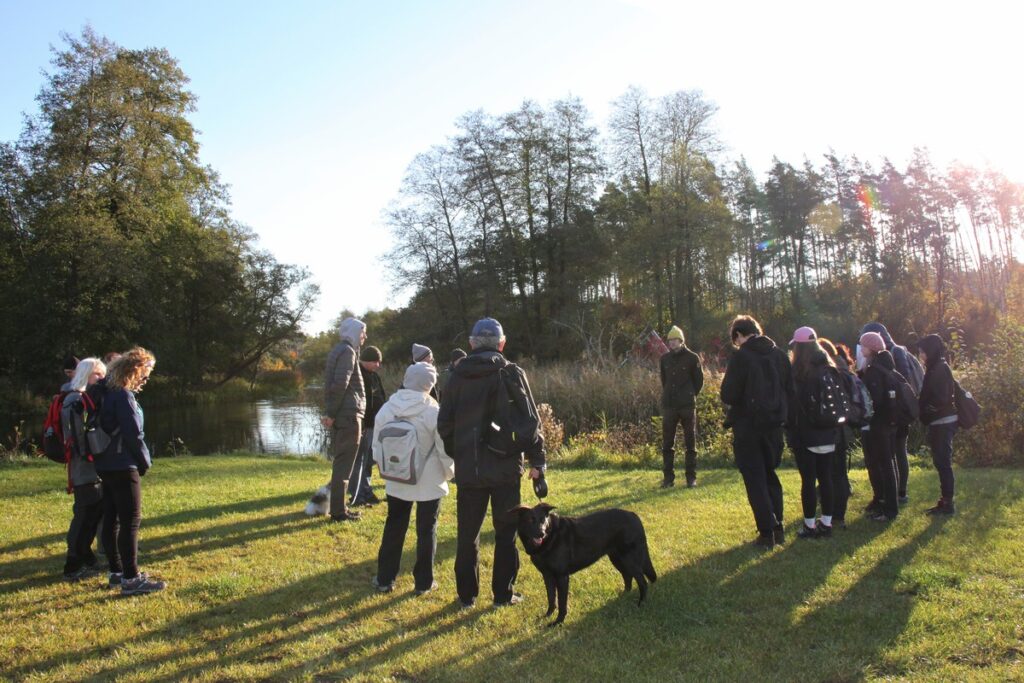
(682, 378)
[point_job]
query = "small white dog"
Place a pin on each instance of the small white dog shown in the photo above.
(320, 503)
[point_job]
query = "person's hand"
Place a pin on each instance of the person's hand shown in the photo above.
(534, 473)
(327, 422)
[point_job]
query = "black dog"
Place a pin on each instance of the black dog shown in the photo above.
(560, 546)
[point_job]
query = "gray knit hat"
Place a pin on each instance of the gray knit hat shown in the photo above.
(421, 353)
(420, 377)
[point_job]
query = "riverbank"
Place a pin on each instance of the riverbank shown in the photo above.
(259, 591)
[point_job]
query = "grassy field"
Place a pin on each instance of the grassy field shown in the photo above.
(259, 592)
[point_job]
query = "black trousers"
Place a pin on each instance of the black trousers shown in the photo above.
(670, 420)
(122, 516)
(840, 476)
(389, 556)
(471, 508)
(815, 472)
(757, 455)
(85, 521)
(940, 443)
(881, 464)
(899, 452)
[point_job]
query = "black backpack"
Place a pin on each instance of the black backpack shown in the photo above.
(968, 412)
(829, 406)
(515, 425)
(904, 409)
(763, 394)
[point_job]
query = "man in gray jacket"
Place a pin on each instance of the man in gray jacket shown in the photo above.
(345, 399)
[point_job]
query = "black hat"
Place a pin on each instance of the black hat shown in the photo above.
(371, 354)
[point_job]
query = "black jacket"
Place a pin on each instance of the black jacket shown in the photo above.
(376, 397)
(682, 378)
(467, 408)
(801, 432)
(879, 384)
(937, 391)
(735, 381)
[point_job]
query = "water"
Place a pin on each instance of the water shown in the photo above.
(276, 426)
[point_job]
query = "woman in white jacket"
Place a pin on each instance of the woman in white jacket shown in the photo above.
(412, 405)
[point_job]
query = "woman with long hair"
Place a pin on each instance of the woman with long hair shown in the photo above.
(121, 467)
(840, 355)
(813, 442)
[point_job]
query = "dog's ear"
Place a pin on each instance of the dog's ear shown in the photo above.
(546, 508)
(518, 510)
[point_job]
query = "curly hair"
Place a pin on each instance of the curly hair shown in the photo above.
(128, 371)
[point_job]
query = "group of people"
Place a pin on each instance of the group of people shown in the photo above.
(102, 426)
(815, 398)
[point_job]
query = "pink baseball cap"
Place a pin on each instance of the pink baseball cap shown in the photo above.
(803, 334)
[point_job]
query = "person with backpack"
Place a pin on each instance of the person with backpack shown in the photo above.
(345, 405)
(121, 467)
(757, 389)
(908, 366)
(819, 409)
(488, 422)
(939, 415)
(858, 416)
(682, 378)
(415, 468)
(878, 377)
(359, 488)
(83, 481)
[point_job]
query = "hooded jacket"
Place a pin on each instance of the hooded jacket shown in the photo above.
(127, 449)
(467, 407)
(418, 409)
(682, 378)
(878, 384)
(937, 393)
(801, 431)
(734, 383)
(900, 356)
(344, 393)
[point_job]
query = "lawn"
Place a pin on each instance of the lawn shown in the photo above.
(257, 591)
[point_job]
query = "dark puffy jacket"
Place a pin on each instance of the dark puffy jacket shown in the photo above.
(801, 432)
(376, 397)
(682, 378)
(937, 393)
(344, 393)
(878, 383)
(467, 407)
(127, 450)
(735, 381)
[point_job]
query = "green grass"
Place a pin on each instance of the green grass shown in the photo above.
(258, 591)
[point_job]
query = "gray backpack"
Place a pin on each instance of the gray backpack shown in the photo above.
(401, 460)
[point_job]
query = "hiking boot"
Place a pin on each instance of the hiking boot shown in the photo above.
(424, 591)
(903, 500)
(114, 579)
(83, 572)
(691, 483)
(807, 531)
(765, 541)
(382, 587)
(346, 516)
(838, 523)
(513, 600)
(943, 507)
(880, 518)
(873, 508)
(779, 534)
(372, 499)
(824, 530)
(141, 585)
(667, 483)
(466, 604)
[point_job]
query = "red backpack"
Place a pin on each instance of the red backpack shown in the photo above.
(55, 446)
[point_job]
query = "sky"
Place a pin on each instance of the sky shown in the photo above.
(311, 111)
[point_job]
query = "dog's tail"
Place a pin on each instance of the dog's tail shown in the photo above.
(649, 572)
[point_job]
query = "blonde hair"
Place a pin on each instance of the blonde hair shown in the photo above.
(84, 370)
(127, 371)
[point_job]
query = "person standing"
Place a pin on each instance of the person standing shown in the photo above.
(345, 405)
(938, 413)
(878, 436)
(412, 405)
(840, 468)
(121, 467)
(359, 488)
(682, 378)
(483, 475)
(757, 389)
(446, 375)
(423, 354)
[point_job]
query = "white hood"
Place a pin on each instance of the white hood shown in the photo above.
(351, 330)
(407, 403)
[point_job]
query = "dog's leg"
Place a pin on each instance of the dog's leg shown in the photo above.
(549, 583)
(563, 599)
(627, 578)
(641, 583)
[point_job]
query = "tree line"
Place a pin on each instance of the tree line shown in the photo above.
(113, 232)
(577, 237)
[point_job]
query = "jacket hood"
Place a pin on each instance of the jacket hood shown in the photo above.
(409, 402)
(884, 360)
(483, 363)
(760, 345)
(880, 329)
(934, 347)
(351, 330)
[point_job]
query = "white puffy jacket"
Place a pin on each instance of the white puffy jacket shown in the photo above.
(420, 410)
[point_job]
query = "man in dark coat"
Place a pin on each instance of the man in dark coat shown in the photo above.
(483, 476)
(359, 489)
(682, 378)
